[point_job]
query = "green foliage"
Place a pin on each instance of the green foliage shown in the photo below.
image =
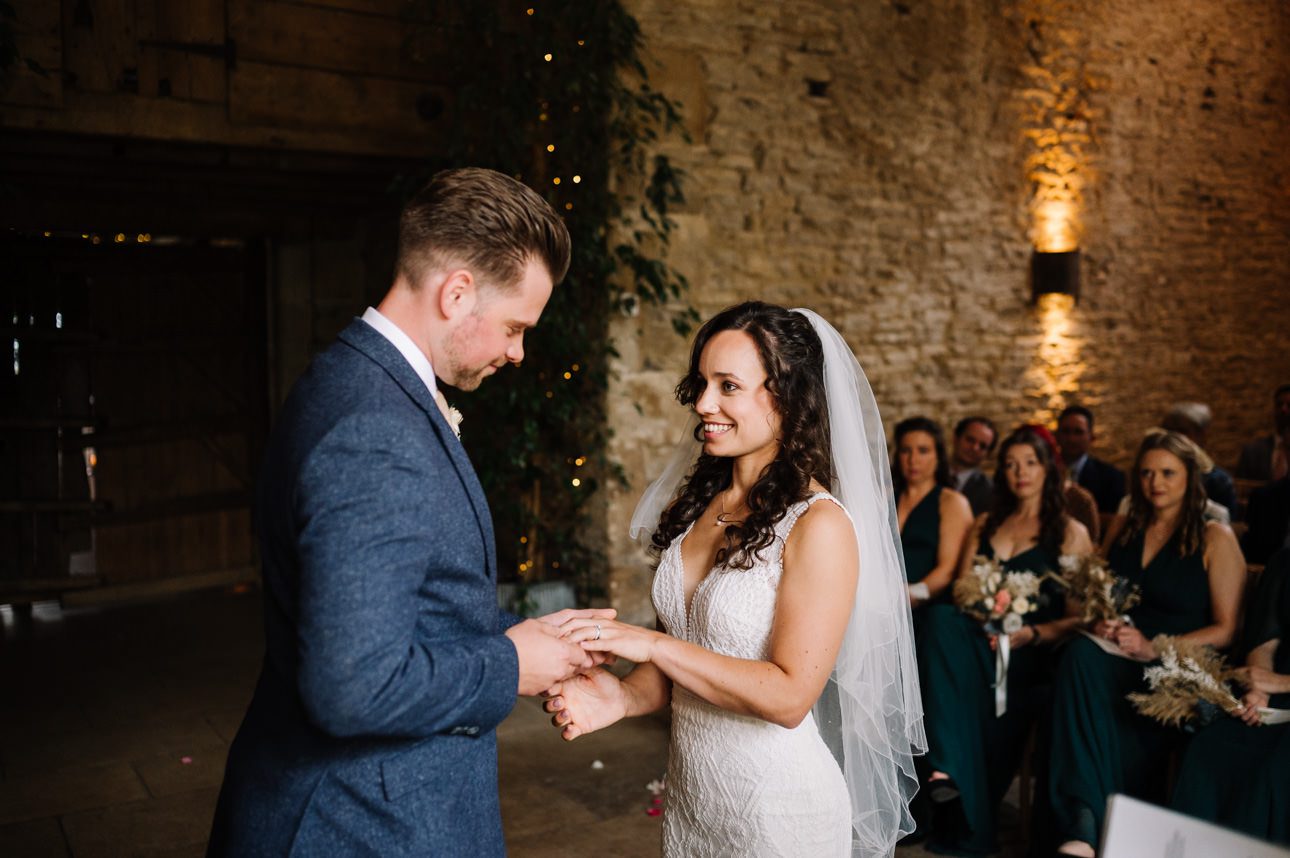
(535, 430)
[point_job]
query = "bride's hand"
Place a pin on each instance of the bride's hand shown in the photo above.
(586, 702)
(623, 640)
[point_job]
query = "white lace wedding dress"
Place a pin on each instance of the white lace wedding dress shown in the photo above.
(737, 785)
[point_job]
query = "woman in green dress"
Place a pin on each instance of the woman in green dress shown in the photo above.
(1236, 772)
(973, 751)
(933, 521)
(1191, 575)
(933, 518)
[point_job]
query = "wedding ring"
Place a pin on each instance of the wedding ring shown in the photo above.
(597, 637)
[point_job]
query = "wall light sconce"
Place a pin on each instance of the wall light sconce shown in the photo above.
(1054, 273)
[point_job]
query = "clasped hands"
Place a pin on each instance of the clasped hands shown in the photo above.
(1261, 683)
(593, 699)
(1127, 637)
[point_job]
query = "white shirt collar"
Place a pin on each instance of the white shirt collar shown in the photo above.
(401, 341)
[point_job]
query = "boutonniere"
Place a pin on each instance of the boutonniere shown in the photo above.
(450, 414)
(454, 419)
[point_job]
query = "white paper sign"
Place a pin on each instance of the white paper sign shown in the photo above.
(1136, 829)
(1274, 716)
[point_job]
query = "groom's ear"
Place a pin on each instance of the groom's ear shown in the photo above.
(458, 293)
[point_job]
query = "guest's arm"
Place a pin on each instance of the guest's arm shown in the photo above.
(956, 521)
(967, 550)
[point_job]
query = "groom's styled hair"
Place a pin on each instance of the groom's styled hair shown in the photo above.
(793, 358)
(484, 221)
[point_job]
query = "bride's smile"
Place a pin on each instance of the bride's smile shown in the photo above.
(738, 411)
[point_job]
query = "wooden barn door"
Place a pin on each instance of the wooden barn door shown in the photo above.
(134, 411)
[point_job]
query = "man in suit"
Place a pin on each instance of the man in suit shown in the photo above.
(1269, 458)
(388, 664)
(974, 439)
(1075, 436)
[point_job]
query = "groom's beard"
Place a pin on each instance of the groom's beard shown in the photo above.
(459, 373)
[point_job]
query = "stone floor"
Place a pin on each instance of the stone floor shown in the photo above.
(114, 726)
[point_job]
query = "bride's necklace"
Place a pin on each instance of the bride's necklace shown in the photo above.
(723, 517)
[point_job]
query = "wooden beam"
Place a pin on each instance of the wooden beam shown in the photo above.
(126, 115)
(338, 40)
(288, 97)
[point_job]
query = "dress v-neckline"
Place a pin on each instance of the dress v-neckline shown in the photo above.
(916, 507)
(1145, 564)
(1014, 556)
(686, 605)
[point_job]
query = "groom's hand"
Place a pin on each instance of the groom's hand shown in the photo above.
(544, 658)
(587, 702)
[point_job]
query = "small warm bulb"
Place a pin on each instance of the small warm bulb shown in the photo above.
(556, 180)
(550, 147)
(547, 57)
(577, 179)
(576, 482)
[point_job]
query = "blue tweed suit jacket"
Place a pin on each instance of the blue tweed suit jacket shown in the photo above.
(371, 731)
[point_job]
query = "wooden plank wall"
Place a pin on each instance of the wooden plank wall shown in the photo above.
(345, 76)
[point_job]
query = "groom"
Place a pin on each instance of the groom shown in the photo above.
(388, 666)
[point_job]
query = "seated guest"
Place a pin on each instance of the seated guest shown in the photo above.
(933, 520)
(1075, 436)
(1080, 504)
(973, 752)
(1236, 772)
(1213, 511)
(1191, 575)
(1266, 458)
(1268, 515)
(974, 439)
(1192, 419)
(933, 517)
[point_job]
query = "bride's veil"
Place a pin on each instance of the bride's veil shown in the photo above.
(870, 714)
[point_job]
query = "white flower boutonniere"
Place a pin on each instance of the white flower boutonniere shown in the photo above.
(454, 420)
(450, 414)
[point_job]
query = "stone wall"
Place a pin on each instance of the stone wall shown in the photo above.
(889, 163)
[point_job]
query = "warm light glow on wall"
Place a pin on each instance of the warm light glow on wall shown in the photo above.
(1053, 379)
(1056, 226)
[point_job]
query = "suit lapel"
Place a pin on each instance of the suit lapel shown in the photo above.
(369, 341)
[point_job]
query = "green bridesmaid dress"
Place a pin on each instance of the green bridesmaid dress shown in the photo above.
(1100, 745)
(1237, 775)
(920, 541)
(966, 741)
(920, 538)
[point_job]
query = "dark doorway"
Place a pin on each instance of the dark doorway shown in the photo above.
(134, 409)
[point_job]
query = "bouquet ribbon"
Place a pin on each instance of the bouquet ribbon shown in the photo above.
(1002, 651)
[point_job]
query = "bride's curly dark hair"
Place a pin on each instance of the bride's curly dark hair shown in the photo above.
(793, 358)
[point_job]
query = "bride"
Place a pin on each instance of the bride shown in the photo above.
(787, 658)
